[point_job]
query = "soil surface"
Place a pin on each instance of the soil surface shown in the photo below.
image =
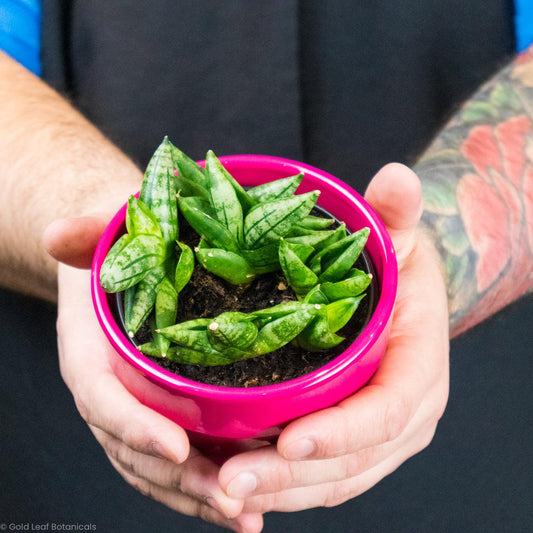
(207, 296)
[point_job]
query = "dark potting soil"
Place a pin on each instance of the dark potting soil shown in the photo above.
(206, 296)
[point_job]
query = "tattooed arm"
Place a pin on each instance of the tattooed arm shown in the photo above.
(477, 184)
(477, 180)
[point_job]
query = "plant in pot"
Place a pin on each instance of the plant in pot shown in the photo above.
(213, 278)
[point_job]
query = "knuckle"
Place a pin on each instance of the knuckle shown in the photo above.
(202, 510)
(288, 476)
(82, 405)
(123, 455)
(141, 485)
(358, 462)
(427, 435)
(396, 416)
(337, 495)
(186, 478)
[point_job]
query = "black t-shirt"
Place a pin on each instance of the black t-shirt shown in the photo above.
(346, 86)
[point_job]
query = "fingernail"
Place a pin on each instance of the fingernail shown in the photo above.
(163, 453)
(242, 485)
(299, 450)
(214, 505)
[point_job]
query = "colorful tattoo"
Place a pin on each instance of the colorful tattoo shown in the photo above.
(477, 180)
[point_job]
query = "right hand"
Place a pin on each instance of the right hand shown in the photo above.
(149, 451)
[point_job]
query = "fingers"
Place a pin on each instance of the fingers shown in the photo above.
(395, 193)
(376, 414)
(72, 241)
(196, 477)
(149, 450)
(326, 494)
(183, 503)
(290, 486)
(101, 399)
(267, 471)
(106, 405)
(264, 471)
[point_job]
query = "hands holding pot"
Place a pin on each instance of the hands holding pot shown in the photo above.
(332, 455)
(321, 459)
(149, 451)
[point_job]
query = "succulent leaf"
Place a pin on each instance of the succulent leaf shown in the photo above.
(213, 231)
(139, 219)
(191, 176)
(318, 334)
(228, 265)
(139, 300)
(353, 285)
(270, 221)
(166, 307)
(311, 222)
(131, 264)
(262, 260)
(189, 356)
(292, 260)
(274, 190)
(223, 197)
(280, 331)
(184, 268)
(338, 258)
(340, 312)
(158, 191)
(316, 296)
(232, 329)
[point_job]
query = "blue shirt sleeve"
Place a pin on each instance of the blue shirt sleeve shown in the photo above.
(20, 32)
(523, 24)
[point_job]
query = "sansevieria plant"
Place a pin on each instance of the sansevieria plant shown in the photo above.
(241, 234)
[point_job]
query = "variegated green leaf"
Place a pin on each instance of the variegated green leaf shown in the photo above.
(270, 221)
(158, 191)
(280, 331)
(351, 286)
(188, 356)
(311, 222)
(263, 259)
(223, 198)
(339, 258)
(184, 268)
(225, 264)
(232, 329)
(166, 307)
(274, 190)
(318, 335)
(191, 180)
(340, 312)
(139, 219)
(213, 231)
(139, 300)
(299, 276)
(132, 262)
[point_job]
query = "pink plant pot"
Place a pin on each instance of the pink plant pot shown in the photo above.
(222, 420)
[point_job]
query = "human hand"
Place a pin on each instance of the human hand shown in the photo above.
(330, 456)
(149, 451)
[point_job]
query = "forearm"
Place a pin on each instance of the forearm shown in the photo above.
(53, 163)
(477, 180)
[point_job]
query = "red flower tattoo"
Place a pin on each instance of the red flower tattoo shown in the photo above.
(496, 205)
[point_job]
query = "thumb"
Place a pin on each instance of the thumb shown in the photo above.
(395, 193)
(73, 240)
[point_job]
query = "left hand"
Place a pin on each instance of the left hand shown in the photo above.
(148, 450)
(335, 454)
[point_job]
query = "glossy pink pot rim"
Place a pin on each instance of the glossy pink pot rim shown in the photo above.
(373, 330)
